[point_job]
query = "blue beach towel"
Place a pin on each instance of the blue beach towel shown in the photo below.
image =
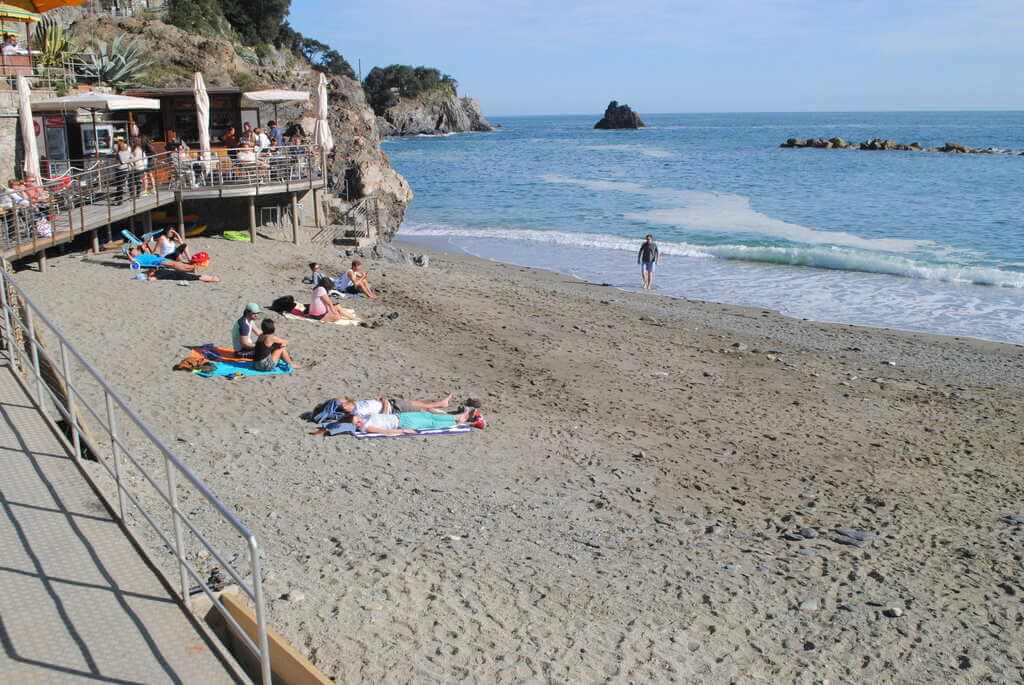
(229, 369)
(430, 431)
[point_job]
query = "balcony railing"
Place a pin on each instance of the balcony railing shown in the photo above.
(93, 193)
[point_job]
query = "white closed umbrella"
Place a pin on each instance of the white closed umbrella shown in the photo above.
(28, 129)
(202, 114)
(322, 135)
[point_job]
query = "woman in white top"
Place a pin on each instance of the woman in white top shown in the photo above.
(139, 164)
(170, 245)
(383, 405)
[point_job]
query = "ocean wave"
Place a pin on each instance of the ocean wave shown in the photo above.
(730, 213)
(819, 257)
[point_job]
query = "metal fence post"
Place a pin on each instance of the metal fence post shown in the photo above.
(261, 618)
(8, 331)
(72, 421)
(112, 431)
(35, 354)
(172, 495)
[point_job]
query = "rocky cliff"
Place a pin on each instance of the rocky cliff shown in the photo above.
(357, 158)
(432, 114)
(619, 116)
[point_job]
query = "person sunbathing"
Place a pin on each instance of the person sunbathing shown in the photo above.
(383, 405)
(270, 349)
(154, 262)
(169, 244)
(356, 281)
(407, 423)
(323, 308)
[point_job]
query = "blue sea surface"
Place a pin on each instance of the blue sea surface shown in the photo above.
(917, 241)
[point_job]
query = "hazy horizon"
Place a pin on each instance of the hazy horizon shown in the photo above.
(525, 57)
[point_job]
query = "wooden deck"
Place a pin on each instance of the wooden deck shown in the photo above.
(85, 219)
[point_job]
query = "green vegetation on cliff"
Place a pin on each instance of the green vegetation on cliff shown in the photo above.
(384, 85)
(255, 23)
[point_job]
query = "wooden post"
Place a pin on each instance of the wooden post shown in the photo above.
(181, 214)
(252, 219)
(95, 241)
(42, 262)
(295, 218)
(316, 209)
(148, 219)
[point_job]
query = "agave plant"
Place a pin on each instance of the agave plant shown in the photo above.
(53, 37)
(117, 64)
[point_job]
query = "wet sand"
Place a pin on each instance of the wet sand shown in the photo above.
(626, 515)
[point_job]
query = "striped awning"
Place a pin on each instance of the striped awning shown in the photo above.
(12, 13)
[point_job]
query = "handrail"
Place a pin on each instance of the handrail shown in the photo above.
(23, 320)
(80, 201)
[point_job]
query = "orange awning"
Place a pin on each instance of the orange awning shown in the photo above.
(41, 6)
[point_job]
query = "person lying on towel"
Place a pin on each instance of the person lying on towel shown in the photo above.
(152, 262)
(409, 423)
(382, 405)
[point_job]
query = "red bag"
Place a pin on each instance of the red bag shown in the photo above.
(200, 259)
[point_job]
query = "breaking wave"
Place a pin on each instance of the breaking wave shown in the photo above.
(814, 256)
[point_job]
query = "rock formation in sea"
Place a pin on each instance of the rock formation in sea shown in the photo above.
(619, 116)
(887, 144)
(432, 113)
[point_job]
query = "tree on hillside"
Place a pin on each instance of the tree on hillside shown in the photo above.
(205, 17)
(384, 85)
(320, 55)
(256, 21)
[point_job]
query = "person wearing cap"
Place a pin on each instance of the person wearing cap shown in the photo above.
(244, 333)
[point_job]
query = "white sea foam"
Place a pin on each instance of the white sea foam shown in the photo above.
(816, 256)
(730, 213)
(643, 150)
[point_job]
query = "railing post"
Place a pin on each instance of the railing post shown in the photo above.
(172, 495)
(30, 320)
(72, 420)
(8, 331)
(112, 431)
(261, 619)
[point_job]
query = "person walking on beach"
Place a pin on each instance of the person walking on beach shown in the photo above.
(647, 257)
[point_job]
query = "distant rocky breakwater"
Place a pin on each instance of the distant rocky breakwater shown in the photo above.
(885, 144)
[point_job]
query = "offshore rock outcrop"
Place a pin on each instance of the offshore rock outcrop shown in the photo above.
(886, 144)
(618, 116)
(436, 113)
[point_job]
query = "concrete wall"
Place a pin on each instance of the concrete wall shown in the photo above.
(11, 147)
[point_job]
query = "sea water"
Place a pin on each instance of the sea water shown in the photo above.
(917, 241)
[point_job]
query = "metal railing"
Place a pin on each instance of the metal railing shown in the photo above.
(125, 441)
(104, 191)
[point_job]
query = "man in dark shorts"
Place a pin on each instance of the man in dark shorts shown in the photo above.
(647, 258)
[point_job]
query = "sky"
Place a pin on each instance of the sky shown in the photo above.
(574, 56)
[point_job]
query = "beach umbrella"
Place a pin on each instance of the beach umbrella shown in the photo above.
(202, 114)
(273, 97)
(44, 5)
(28, 129)
(322, 135)
(93, 102)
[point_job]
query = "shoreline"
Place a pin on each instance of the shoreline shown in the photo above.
(635, 508)
(431, 244)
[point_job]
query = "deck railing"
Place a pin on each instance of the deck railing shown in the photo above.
(103, 191)
(153, 484)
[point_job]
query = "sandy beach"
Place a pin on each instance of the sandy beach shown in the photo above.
(656, 497)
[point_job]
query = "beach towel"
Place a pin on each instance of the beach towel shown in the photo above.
(215, 353)
(240, 236)
(297, 316)
(240, 369)
(430, 431)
